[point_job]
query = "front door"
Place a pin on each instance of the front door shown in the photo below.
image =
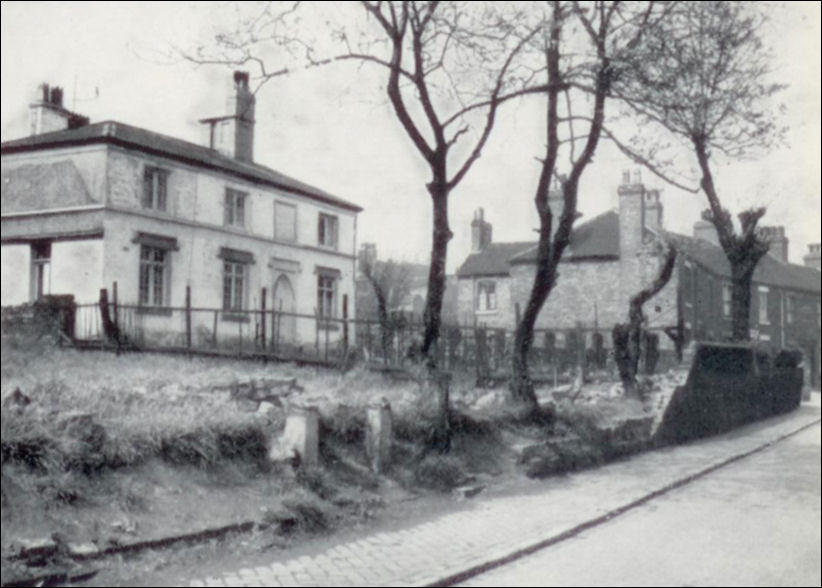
(285, 326)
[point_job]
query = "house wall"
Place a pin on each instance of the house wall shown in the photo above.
(198, 195)
(113, 178)
(501, 318)
(194, 217)
(598, 293)
(15, 259)
(77, 269)
(705, 319)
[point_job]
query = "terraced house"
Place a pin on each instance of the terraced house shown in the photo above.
(613, 255)
(86, 205)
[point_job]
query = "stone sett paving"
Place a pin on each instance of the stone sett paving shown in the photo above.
(493, 528)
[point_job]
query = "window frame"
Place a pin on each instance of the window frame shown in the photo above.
(147, 295)
(727, 300)
(762, 296)
(488, 295)
(155, 188)
(325, 221)
(40, 269)
(230, 208)
(277, 236)
(233, 272)
(790, 309)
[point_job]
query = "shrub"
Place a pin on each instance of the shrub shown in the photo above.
(438, 472)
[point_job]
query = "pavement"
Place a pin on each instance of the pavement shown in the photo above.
(491, 531)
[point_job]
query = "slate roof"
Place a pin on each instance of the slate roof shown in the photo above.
(769, 271)
(112, 132)
(597, 238)
(55, 184)
(493, 260)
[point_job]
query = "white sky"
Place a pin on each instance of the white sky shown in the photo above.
(333, 128)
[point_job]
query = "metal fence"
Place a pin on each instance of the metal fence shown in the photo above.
(309, 337)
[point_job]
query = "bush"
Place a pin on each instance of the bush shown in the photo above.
(438, 472)
(312, 514)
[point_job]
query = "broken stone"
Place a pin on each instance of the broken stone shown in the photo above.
(464, 492)
(82, 550)
(267, 409)
(31, 548)
(300, 440)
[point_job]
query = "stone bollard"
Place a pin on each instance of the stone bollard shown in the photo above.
(378, 436)
(300, 440)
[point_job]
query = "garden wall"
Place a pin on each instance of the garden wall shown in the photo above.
(728, 386)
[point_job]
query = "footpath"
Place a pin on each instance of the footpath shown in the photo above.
(490, 531)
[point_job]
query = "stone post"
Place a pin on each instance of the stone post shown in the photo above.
(300, 439)
(378, 436)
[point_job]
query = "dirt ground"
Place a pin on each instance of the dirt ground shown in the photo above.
(294, 509)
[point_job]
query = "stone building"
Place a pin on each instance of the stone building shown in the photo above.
(86, 205)
(613, 255)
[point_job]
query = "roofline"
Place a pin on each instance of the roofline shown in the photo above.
(527, 261)
(483, 275)
(108, 139)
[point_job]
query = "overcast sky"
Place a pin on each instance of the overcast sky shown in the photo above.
(335, 130)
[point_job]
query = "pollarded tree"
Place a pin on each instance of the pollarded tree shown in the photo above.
(704, 78)
(448, 67)
(586, 46)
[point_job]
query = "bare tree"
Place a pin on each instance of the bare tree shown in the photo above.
(703, 77)
(448, 67)
(584, 50)
(628, 337)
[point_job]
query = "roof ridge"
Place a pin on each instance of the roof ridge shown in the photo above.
(176, 148)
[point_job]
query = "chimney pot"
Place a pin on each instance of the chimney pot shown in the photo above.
(57, 96)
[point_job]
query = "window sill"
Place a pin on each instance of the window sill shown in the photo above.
(155, 310)
(327, 247)
(328, 326)
(486, 312)
(235, 317)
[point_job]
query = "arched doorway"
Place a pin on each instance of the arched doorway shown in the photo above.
(286, 325)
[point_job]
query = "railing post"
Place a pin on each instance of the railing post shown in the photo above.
(114, 303)
(262, 319)
(188, 317)
(345, 324)
(214, 331)
(116, 319)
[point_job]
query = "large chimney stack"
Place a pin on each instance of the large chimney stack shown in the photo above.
(233, 133)
(480, 231)
(778, 241)
(653, 210)
(706, 231)
(631, 214)
(47, 114)
(814, 256)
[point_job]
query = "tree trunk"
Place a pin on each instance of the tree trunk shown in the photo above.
(522, 386)
(741, 278)
(628, 338)
(436, 273)
(385, 323)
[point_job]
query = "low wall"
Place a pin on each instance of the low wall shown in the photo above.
(728, 386)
